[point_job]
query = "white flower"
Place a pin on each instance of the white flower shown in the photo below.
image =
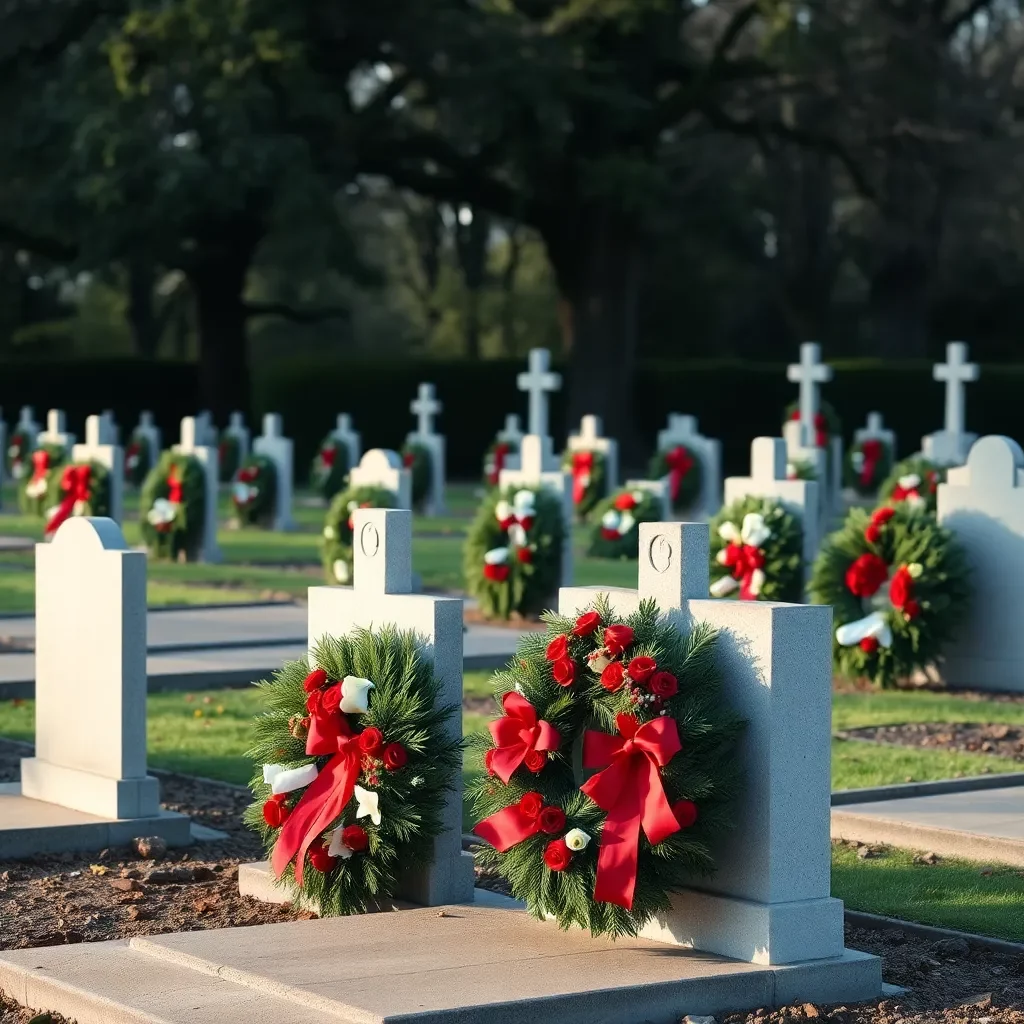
(368, 804)
(757, 581)
(353, 505)
(790, 471)
(626, 523)
(284, 780)
(517, 535)
(524, 503)
(916, 570)
(576, 839)
(502, 511)
(857, 461)
(162, 512)
(337, 847)
(915, 501)
(18, 469)
(341, 570)
(754, 532)
(876, 624)
(496, 556)
(242, 493)
(722, 587)
(610, 520)
(330, 533)
(355, 695)
(638, 496)
(910, 481)
(36, 488)
(729, 532)
(721, 558)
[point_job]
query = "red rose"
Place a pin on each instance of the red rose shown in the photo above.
(395, 756)
(866, 574)
(331, 701)
(869, 644)
(912, 609)
(564, 672)
(552, 820)
(557, 855)
(558, 648)
(901, 588)
(496, 573)
(882, 515)
(314, 680)
(685, 812)
(355, 838)
(322, 860)
(641, 669)
(526, 522)
(531, 804)
(313, 701)
(587, 624)
(873, 533)
(625, 502)
(525, 555)
(408, 458)
(611, 535)
(275, 812)
(664, 684)
(535, 760)
(489, 761)
(613, 676)
(617, 638)
(371, 741)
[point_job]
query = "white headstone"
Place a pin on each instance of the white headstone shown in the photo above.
(425, 407)
(512, 435)
(107, 453)
(949, 446)
(539, 468)
(590, 438)
(348, 438)
(273, 445)
(237, 429)
(875, 430)
(381, 467)
(537, 382)
(207, 456)
(768, 479)
(27, 424)
(682, 430)
(206, 432)
(110, 432)
(817, 459)
(809, 373)
(148, 429)
(382, 595)
(56, 432)
(660, 490)
(769, 901)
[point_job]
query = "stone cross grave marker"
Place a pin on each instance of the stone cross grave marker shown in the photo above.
(273, 445)
(809, 373)
(768, 479)
(110, 432)
(91, 686)
(512, 435)
(206, 432)
(148, 429)
(682, 430)
(100, 447)
(29, 430)
(207, 456)
(817, 459)
(591, 438)
(348, 438)
(875, 430)
(949, 446)
(237, 429)
(425, 407)
(56, 431)
(537, 382)
(27, 424)
(381, 467)
(539, 468)
(983, 504)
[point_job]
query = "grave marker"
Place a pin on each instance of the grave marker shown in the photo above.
(512, 435)
(273, 445)
(207, 549)
(682, 430)
(206, 432)
(56, 431)
(348, 438)
(381, 467)
(27, 425)
(148, 429)
(591, 439)
(110, 432)
(538, 382)
(425, 406)
(237, 429)
(949, 446)
(817, 459)
(100, 447)
(875, 430)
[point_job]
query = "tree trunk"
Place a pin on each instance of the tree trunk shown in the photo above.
(899, 306)
(471, 247)
(508, 292)
(142, 319)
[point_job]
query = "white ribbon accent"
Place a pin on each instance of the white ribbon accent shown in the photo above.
(337, 848)
(754, 532)
(729, 532)
(368, 804)
(496, 556)
(626, 523)
(341, 570)
(876, 624)
(524, 503)
(517, 535)
(355, 695)
(910, 481)
(757, 581)
(610, 520)
(502, 511)
(725, 585)
(284, 780)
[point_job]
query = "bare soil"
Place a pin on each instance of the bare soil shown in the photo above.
(968, 737)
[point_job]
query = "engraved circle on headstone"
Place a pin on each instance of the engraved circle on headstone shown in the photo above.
(659, 553)
(369, 540)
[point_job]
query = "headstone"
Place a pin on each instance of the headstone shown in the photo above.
(148, 429)
(56, 432)
(768, 479)
(683, 430)
(983, 504)
(206, 432)
(273, 445)
(348, 438)
(660, 490)
(817, 460)
(539, 468)
(381, 467)
(425, 407)
(538, 382)
(769, 901)
(875, 430)
(949, 446)
(90, 751)
(237, 429)
(512, 435)
(207, 456)
(27, 425)
(809, 373)
(591, 439)
(111, 431)
(107, 453)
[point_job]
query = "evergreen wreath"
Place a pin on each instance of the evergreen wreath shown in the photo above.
(685, 471)
(336, 541)
(34, 491)
(330, 467)
(416, 458)
(898, 584)
(914, 481)
(616, 529)
(868, 463)
(172, 506)
(495, 459)
(800, 469)
(137, 458)
(591, 854)
(757, 551)
(512, 559)
(588, 478)
(229, 456)
(254, 490)
(17, 455)
(827, 423)
(77, 489)
(354, 760)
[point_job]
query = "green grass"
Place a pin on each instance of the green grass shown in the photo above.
(855, 710)
(950, 894)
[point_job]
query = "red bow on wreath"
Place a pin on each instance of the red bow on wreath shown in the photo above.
(497, 463)
(40, 465)
(75, 484)
(820, 428)
(328, 455)
(174, 486)
(680, 462)
(872, 451)
(520, 821)
(745, 560)
(630, 791)
(582, 465)
(517, 734)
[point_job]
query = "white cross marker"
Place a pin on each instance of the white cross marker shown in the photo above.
(808, 373)
(536, 382)
(956, 371)
(425, 406)
(272, 426)
(343, 424)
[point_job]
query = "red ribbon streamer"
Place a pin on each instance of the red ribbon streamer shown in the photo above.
(75, 484)
(872, 452)
(680, 462)
(630, 790)
(328, 455)
(174, 486)
(40, 465)
(501, 450)
(743, 559)
(517, 734)
(507, 827)
(582, 464)
(326, 796)
(820, 428)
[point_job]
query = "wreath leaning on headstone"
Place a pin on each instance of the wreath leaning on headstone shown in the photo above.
(495, 459)
(329, 468)
(616, 529)
(17, 455)
(914, 481)
(685, 472)
(756, 551)
(172, 506)
(137, 457)
(77, 489)
(253, 491)
(827, 423)
(416, 458)
(588, 475)
(800, 469)
(354, 760)
(512, 558)
(898, 584)
(336, 542)
(868, 463)
(229, 456)
(34, 491)
(643, 702)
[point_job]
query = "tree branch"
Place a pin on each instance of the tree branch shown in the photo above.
(950, 25)
(48, 248)
(299, 316)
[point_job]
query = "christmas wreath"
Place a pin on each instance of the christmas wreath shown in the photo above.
(588, 475)
(77, 489)
(354, 762)
(18, 451)
(868, 463)
(914, 481)
(513, 552)
(172, 506)
(137, 458)
(495, 459)
(827, 423)
(34, 493)
(336, 542)
(898, 585)
(229, 456)
(757, 552)
(685, 473)
(616, 531)
(416, 458)
(800, 469)
(253, 491)
(641, 703)
(330, 467)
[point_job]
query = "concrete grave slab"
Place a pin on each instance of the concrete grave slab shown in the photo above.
(273, 445)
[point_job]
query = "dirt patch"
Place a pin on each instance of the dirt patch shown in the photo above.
(517, 623)
(966, 737)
